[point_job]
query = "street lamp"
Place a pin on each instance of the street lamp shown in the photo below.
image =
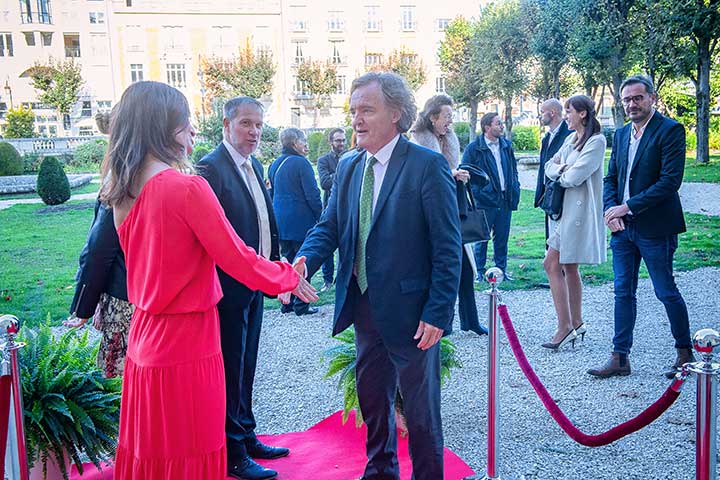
(8, 92)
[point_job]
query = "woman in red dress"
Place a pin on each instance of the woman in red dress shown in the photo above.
(173, 233)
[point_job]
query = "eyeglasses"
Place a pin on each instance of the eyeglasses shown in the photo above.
(634, 98)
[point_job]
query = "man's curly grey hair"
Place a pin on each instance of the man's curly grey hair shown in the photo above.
(396, 92)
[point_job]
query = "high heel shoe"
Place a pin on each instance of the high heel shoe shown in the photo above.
(569, 338)
(581, 330)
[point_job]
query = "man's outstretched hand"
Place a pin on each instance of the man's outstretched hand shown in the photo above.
(428, 334)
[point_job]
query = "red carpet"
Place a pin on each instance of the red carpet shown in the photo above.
(327, 451)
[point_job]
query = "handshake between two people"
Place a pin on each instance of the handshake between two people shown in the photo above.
(304, 290)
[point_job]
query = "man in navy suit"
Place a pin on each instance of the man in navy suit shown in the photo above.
(644, 214)
(551, 117)
(296, 200)
(236, 178)
(393, 215)
(494, 155)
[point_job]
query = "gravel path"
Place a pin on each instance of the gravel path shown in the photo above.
(703, 198)
(291, 393)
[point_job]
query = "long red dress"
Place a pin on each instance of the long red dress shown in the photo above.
(172, 415)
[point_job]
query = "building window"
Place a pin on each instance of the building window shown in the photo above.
(136, 72)
(46, 38)
(134, 36)
(40, 14)
(335, 57)
(174, 37)
(373, 59)
(336, 21)
(299, 57)
(295, 117)
(128, 3)
(72, 45)
(86, 109)
(407, 18)
(300, 87)
(222, 38)
(99, 48)
(29, 38)
(441, 24)
(341, 88)
(97, 18)
(299, 19)
(373, 23)
(176, 75)
(104, 105)
(85, 132)
(6, 45)
(440, 85)
(263, 50)
(3, 109)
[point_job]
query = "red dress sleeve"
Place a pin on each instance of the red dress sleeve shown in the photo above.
(206, 218)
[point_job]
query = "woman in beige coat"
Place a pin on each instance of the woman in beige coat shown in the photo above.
(579, 235)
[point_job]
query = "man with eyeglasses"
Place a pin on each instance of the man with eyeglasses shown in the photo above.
(644, 214)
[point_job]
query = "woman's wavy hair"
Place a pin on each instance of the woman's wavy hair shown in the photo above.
(432, 107)
(143, 123)
(592, 126)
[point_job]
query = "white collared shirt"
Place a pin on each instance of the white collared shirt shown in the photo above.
(636, 135)
(554, 132)
(239, 161)
(494, 146)
(383, 157)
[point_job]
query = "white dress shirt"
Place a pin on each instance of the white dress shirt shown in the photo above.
(383, 157)
(635, 137)
(494, 146)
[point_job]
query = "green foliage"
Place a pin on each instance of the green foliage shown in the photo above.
(526, 138)
(52, 183)
(342, 360)
(407, 64)
(89, 154)
(69, 406)
(246, 74)
(31, 162)
(200, 149)
(317, 145)
(690, 141)
(211, 128)
(609, 134)
(20, 123)
(10, 160)
(319, 80)
(269, 148)
(59, 83)
(462, 130)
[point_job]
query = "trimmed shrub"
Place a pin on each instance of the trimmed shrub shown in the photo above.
(20, 123)
(317, 144)
(52, 183)
(89, 154)
(526, 138)
(609, 133)
(691, 141)
(269, 148)
(31, 162)
(200, 150)
(10, 160)
(462, 130)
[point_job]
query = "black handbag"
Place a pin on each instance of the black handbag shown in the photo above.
(473, 222)
(552, 200)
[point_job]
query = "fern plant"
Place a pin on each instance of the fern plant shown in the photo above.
(342, 360)
(70, 407)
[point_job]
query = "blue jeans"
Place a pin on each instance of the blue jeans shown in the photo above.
(629, 247)
(499, 222)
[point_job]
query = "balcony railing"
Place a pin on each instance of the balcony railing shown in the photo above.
(72, 52)
(36, 17)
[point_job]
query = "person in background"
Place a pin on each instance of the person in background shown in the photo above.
(326, 166)
(173, 233)
(578, 236)
(433, 130)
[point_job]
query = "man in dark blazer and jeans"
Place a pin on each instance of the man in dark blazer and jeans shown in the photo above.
(393, 214)
(644, 214)
(236, 178)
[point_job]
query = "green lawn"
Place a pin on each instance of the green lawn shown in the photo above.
(702, 172)
(40, 247)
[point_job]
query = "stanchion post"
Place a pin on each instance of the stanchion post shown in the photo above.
(705, 342)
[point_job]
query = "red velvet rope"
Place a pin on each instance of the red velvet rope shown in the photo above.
(645, 418)
(4, 419)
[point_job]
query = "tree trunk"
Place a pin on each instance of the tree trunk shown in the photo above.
(473, 119)
(702, 100)
(508, 118)
(600, 102)
(556, 81)
(618, 110)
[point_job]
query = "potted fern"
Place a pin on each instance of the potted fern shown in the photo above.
(342, 360)
(70, 408)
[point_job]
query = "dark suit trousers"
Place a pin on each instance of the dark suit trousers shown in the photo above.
(499, 223)
(379, 371)
(239, 338)
(467, 308)
(289, 249)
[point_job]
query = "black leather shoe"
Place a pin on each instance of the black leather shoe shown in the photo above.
(247, 469)
(265, 452)
(286, 308)
(309, 311)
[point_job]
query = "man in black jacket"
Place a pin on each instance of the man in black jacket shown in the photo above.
(326, 166)
(236, 178)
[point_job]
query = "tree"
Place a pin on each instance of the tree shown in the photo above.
(319, 80)
(407, 64)
(20, 123)
(59, 84)
(499, 44)
(247, 74)
(461, 69)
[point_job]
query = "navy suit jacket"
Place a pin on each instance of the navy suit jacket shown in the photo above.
(413, 251)
(224, 178)
(296, 197)
(326, 166)
(546, 153)
(655, 177)
(478, 154)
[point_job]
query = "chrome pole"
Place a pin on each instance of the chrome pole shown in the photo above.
(705, 341)
(9, 326)
(494, 276)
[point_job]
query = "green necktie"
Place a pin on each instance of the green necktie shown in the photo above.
(366, 204)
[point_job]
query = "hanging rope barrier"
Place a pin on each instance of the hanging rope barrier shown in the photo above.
(645, 418)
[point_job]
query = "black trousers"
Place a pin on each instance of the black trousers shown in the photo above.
(379, 372)
(467, 308)
(239, 338)
(289, 249)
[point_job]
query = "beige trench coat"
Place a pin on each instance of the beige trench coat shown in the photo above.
(581, 228)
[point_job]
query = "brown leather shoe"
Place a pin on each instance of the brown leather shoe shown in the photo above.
(684, 355)
(619, 364)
